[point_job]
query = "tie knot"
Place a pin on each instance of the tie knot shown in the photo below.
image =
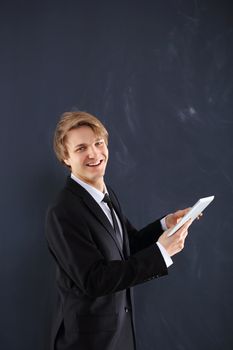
(107, 199)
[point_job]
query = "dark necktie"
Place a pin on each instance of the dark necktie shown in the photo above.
(107, 200)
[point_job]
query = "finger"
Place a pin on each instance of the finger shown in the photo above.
(178, 214)
(186, 210)
(184, 227)
(185, 234)
(199, 216)
(187, 224)
(181, 213)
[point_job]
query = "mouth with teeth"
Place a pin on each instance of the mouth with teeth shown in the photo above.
(94, 164)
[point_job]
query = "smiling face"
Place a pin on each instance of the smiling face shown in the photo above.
(87, 156)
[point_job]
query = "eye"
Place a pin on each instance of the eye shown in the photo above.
(99, 143)
(80, 149)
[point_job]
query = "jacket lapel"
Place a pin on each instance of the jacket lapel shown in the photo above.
(95, 209)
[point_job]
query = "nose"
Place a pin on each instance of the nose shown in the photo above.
(92, 152)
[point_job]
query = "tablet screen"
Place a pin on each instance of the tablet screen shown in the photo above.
(196, 210)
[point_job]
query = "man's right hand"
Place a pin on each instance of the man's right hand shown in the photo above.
(175, 243)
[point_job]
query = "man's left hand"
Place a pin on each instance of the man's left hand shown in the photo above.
(174, 218)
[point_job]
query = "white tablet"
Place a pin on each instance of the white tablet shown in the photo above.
(196, 210)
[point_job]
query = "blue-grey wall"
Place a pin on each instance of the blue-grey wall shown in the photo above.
(160, 76)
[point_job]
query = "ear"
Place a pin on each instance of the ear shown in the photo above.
(67, 162)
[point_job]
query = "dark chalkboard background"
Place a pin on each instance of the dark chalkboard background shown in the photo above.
(160, 76)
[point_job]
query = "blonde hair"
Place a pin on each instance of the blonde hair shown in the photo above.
(74, 120)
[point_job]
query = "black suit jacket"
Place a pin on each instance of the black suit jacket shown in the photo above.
(94, 275)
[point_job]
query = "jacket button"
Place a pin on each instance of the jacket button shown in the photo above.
(126, 309)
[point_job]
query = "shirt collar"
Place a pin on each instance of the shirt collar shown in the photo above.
(96, 194)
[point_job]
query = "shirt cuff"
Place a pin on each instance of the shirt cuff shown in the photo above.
(166, 256)
(163, 224)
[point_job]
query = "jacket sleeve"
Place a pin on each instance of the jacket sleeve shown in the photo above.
(77, 254)
(141, 239)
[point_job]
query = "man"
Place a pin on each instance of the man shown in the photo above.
(99, 255)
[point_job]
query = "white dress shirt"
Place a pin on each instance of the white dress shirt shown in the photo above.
(98, 197)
